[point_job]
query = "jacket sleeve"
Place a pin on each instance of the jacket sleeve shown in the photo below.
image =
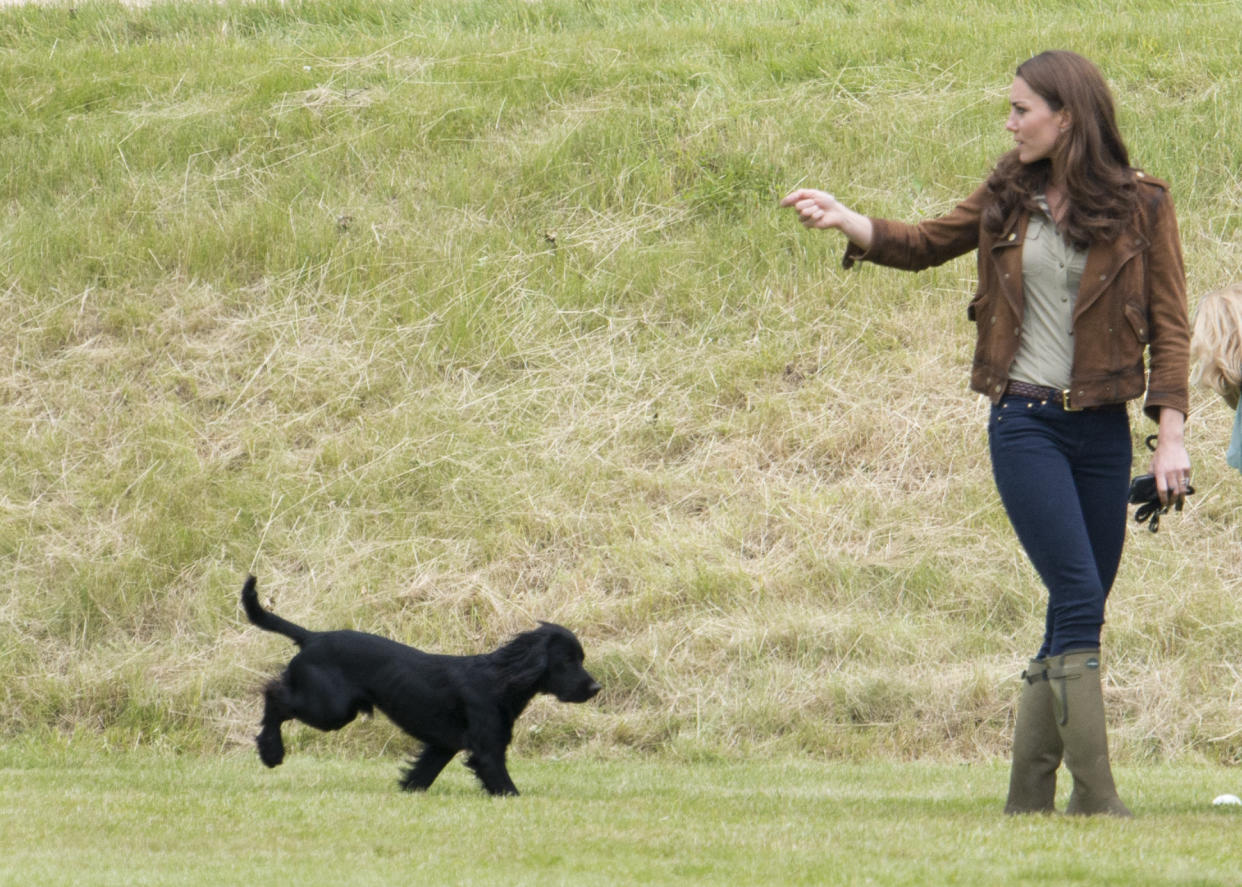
(930, 242)
(1169, 343)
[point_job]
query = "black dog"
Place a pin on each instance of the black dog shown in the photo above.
(450, 703)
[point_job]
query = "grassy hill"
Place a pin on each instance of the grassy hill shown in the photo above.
(443, 317)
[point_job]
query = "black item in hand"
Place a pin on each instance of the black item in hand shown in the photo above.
(1143, 493)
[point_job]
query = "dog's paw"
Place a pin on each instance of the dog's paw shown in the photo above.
(271, 749)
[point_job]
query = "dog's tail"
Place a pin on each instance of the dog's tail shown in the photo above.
(267, 620)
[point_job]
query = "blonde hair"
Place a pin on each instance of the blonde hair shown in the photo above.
(1216, 346)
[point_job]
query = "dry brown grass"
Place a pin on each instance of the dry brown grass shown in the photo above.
(441, 342)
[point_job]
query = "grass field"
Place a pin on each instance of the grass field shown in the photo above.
(137, 818)
(443, 317)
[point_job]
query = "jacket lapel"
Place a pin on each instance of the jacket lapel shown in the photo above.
(1007, 257)
(1104, 263)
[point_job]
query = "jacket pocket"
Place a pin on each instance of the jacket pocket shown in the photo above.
(1138, 322)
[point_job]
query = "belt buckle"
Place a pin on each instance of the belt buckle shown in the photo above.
(1065, 402)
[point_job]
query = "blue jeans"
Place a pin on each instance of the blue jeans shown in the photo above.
(1064, 478)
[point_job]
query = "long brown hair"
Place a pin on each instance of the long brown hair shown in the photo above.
(1100, 187)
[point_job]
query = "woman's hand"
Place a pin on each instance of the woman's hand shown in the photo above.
(819, 209)
(1171, 463)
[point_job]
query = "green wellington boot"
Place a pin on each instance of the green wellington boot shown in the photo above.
(1036, 745)
(1078, 703)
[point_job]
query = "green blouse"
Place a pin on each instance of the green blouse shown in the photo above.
(1051, 269)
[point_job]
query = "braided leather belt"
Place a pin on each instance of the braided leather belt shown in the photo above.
(1054, 395)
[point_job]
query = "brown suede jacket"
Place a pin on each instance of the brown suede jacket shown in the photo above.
(1132, 299)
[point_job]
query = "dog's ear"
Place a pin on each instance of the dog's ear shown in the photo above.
(526, 658)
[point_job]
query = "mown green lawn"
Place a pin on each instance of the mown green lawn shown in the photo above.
(142, 817)
(443, 317)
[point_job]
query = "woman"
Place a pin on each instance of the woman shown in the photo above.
(1080, 272)
(1216, 348)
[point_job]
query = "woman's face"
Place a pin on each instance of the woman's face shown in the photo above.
(1035, 126)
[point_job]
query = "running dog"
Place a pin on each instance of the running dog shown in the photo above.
(449, 703)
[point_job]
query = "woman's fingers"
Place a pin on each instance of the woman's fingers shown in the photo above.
(800, 194)
(811, 206)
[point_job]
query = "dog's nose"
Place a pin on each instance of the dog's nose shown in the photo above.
(593, 688)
